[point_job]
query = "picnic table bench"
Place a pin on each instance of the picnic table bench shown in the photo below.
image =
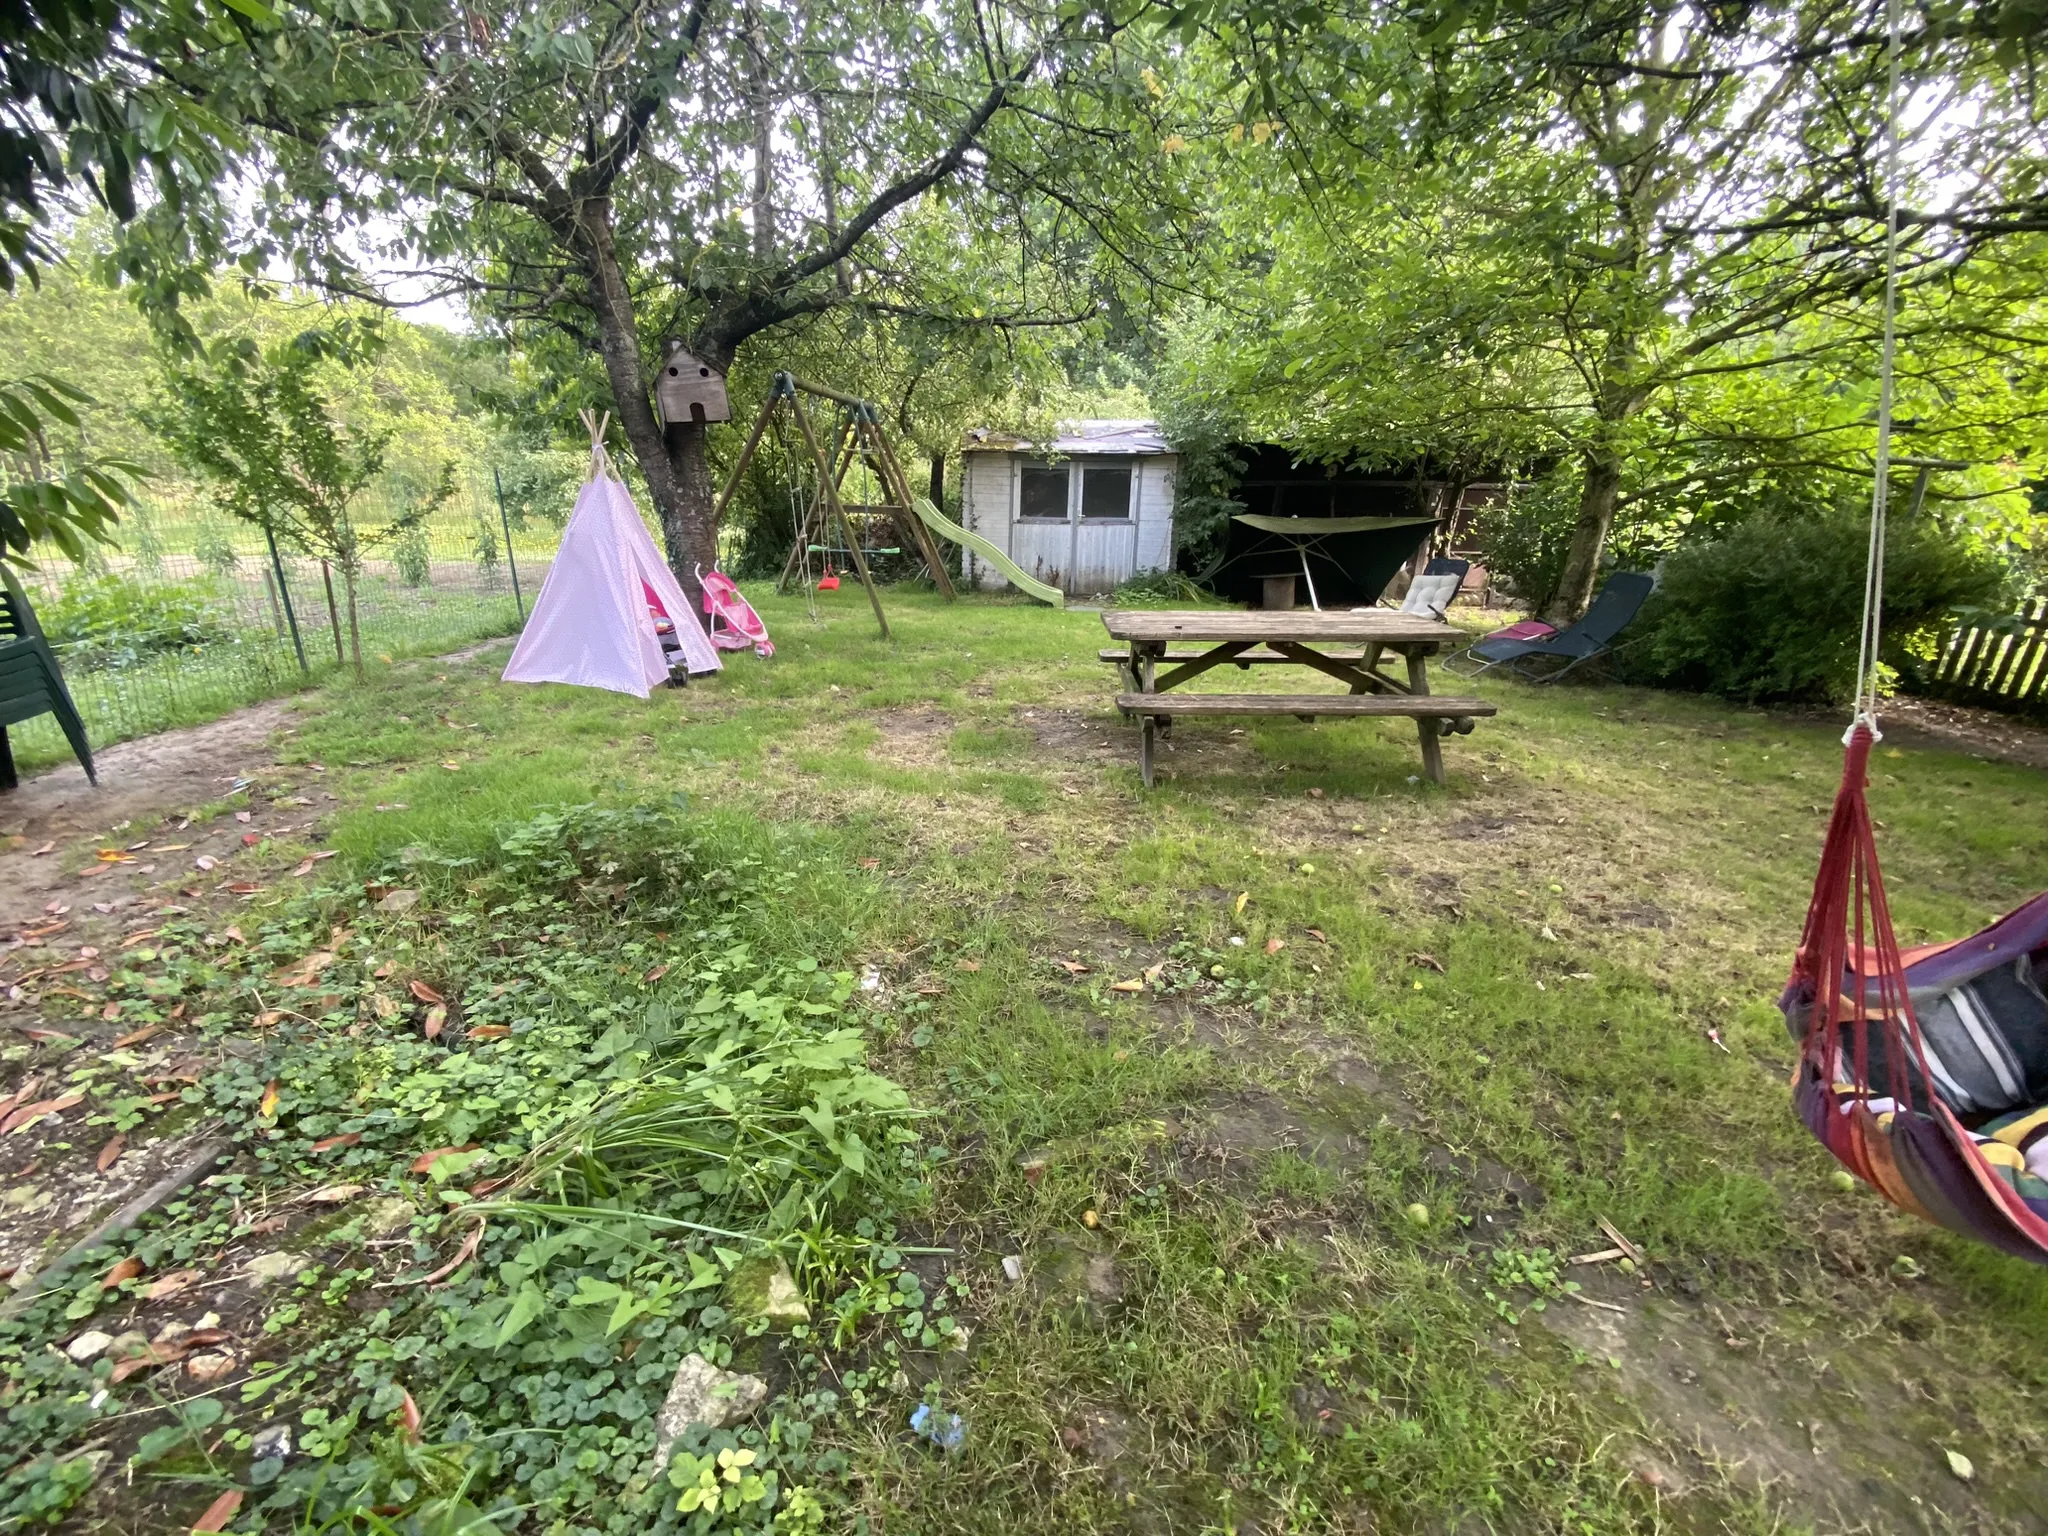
(1156, 638)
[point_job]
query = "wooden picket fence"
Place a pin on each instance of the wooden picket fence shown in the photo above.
(1998, 663)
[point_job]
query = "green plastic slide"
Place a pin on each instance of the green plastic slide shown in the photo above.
(946, 528)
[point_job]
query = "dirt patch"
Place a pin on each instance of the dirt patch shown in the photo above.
(1822, 1430)
(1932, 725)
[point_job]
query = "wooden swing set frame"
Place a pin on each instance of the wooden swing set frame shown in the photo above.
(860, 436)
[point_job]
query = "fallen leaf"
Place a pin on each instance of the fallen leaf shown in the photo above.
(335, 1194)
(110, 1152)
(137, 1036)
(409, 1411)
(1961, 1465)
(1154, 972)
(244, 888)
(1427, 961)
(134, 939)
(269, 1224)
(1242, 898)
(126, 1269)
(29, 1114)
(307, 970)
(490, 1032)
(267, 1018)
(1318, 935)
(233, 935)
(462, 1256)
(427, 1160)
(304, 867)
(46, 848)
(1274, 946)
(205, 861)
(45, 1036)
(968, 965)
(452, 767)
(267, 1106)
(870, 863)
(115, 856)
(167, 1286)
(425, 993)
(1072, 967)
(241, 815)
(435, 1021)
(1133, 985)
(345, 1139)
(111, 1012)
(650, 978)
(150, 1356)
(219, 1512)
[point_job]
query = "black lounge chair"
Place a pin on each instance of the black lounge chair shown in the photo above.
(31, 683)
(1620, 600)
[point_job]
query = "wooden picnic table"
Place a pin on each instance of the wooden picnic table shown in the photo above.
(1165, 648)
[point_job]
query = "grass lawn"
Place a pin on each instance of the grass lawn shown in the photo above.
(1289, 1086)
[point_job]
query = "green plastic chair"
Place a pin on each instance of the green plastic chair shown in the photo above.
(31, 682)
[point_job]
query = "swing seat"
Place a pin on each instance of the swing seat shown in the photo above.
(1924, 1072)
(828, 584)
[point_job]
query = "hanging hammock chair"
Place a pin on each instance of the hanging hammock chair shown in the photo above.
(1925, 1072)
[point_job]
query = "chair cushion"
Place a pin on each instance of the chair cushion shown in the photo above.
(1430, 595)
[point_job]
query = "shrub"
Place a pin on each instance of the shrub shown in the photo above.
(1523, 536)
(1770, 607)
(108, 622)
(411, 557)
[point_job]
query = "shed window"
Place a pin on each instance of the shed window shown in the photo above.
(1106, 488)
(1042, 492)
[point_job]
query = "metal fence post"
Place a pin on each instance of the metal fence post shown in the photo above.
(505, 522)
(285, 592)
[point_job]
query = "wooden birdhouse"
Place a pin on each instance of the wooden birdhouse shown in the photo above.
(689, 390)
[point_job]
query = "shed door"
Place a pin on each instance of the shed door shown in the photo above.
(1105, 523)
(1076, 525)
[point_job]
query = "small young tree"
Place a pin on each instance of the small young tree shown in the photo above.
(254, 421)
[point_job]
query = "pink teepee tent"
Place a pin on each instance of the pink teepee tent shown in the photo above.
(593, 624)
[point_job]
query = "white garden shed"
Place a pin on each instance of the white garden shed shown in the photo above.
(1090, 509)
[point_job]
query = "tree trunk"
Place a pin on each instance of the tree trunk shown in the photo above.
(355, 633)
(333, 613)
(1597, 499)
(677, 472)
(938, 481)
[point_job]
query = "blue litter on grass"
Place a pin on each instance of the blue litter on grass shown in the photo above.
(948, 1431)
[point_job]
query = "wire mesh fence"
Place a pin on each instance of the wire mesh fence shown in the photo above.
(194, 615)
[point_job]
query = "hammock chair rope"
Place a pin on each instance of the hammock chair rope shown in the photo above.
(1851, 998)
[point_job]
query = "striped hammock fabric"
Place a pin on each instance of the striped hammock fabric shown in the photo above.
(1924, 1072)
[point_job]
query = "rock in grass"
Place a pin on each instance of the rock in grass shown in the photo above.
(703, 1394)
(266, 1267)
(404, 899)
(88, 1345)
(762, 1287)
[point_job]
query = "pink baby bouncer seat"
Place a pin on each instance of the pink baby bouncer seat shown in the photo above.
(731, 619)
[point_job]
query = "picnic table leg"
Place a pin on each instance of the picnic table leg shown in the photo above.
(1145, 753)
(1426, 728)
(9, 779)
(1371, 664)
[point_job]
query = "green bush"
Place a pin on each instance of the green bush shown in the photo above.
(107, 622)
(1771, 607)
(1523, 536)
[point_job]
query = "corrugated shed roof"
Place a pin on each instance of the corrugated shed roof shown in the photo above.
(1104, 435)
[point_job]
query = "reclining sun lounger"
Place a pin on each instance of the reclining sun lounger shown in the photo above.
(1612, 612)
